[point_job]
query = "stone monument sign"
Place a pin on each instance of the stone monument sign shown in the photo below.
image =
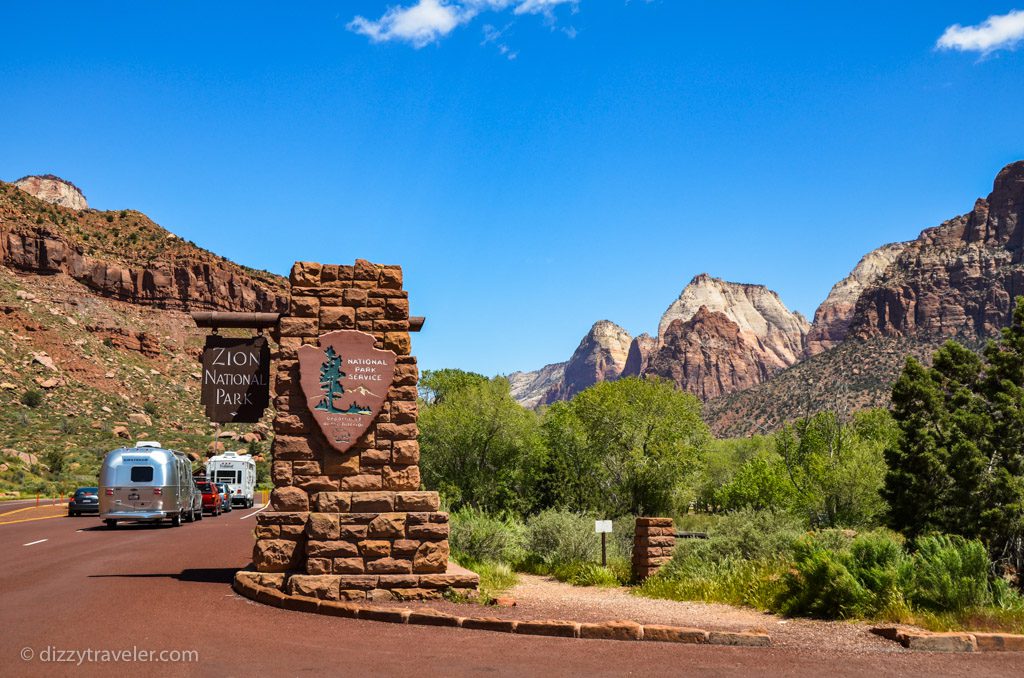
(348, 519)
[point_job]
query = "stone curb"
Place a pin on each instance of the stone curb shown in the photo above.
(968, 641)
(246, 585)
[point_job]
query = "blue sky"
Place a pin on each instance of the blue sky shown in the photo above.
(535, 165)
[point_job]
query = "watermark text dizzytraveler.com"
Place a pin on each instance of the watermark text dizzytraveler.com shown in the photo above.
(91, 655)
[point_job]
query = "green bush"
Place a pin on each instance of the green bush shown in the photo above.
(480, 537)
(32, 398)
(734, 581)
(949, 574)
(820, 585)
(590, 574)
(150, 408)
(556, 538)
(748, 534)
(495, 578)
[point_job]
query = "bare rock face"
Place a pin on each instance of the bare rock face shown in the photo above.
(530, 389)
(601, 356)
(757, 311)
(175, 275)
(832, 319)
(639, 356)
(710, 355)
(958, 279)
(54, 190)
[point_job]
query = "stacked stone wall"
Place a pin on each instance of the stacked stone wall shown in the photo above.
(356, 521)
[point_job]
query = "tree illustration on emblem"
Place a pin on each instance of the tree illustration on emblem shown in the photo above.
(330, 380)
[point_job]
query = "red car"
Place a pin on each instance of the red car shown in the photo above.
(211, 498)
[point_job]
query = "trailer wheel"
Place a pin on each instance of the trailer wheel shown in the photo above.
(110, 523)
(176, 520)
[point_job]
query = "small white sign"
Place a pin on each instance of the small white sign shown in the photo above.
(602, 526)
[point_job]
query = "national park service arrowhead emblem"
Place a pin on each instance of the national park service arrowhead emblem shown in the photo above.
(345, 381)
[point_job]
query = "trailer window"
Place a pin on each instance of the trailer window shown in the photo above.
(142, 474)
(226, 477)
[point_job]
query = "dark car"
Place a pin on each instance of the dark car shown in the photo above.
(212, 501)
(84, 500)
(225, 496)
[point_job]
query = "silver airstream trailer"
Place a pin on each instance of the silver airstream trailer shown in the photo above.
(147, 483)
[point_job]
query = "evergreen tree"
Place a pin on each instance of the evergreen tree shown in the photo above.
(958, 466)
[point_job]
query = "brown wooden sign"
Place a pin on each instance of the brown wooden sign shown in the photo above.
(345, 381)
(236, 379)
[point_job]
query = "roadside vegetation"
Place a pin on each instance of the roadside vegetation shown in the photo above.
(913, 515)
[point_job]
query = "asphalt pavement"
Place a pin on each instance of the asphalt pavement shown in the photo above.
(81, 599)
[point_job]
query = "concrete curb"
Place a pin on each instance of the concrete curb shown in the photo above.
(247, 584)
(967, 641)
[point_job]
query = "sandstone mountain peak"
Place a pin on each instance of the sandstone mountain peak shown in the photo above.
(756, 310)
(53, 189)
(640, 352)
(832, 319)
(600, 356)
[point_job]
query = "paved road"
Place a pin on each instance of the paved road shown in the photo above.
(69, 584)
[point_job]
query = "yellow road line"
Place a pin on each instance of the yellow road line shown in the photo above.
(29, 520)
(29, 508)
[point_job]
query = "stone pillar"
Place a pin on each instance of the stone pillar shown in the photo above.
(352, 525)
(653, 543)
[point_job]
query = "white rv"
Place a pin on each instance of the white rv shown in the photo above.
(238, 471)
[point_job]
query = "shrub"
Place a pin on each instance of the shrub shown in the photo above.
(559, 537)
(32, 398)
(735, 581)
(589, 574)
(837, 575)
(495, 578)
(480, 537)
(150, 408)
(820, 585)
(747, 534)
(949, 574)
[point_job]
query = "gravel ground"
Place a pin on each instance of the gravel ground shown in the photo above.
(546, 598)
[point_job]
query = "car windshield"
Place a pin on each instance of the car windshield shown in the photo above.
(205, 487)
(86, 491)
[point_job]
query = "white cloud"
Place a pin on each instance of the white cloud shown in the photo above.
(1001, 31)
(429, 21)
(419, 24)
(545, 7)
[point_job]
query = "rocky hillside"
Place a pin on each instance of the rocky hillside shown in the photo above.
(96, 348)
(124, 255)
(956, 280)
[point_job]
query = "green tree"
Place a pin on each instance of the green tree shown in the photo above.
(760, 484)
(479, 447)
(958, 463)
(837, 470)
(624, 447)
(435, 385)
